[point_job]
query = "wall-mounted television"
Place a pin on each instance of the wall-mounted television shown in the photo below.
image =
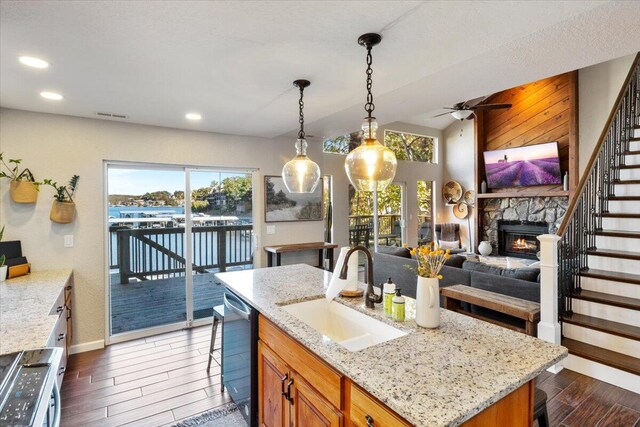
(523, 166)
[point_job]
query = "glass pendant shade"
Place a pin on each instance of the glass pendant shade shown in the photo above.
(371, 166)
(301, 174)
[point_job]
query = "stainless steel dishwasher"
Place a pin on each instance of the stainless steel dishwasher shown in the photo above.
(240, 355)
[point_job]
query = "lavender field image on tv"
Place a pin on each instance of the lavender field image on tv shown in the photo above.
(523, 166)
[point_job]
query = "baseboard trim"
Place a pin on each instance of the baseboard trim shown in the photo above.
(605, 373)
(87, 346)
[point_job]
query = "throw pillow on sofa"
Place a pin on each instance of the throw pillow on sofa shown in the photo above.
(449, 244)
(394, 250)
(455, 261)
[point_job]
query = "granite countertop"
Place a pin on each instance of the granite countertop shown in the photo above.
(438, 377)
(25, 304)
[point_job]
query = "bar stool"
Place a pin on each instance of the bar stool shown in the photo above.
(218, 316)
(540, 408)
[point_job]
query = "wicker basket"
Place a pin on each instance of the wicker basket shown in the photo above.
(62, 212)
(24, 192)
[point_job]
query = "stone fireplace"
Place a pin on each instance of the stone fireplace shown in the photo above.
(519, 238)
(547, 212)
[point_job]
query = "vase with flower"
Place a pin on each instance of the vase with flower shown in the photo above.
(430, 261)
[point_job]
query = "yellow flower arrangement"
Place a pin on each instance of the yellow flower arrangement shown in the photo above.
(430, 260)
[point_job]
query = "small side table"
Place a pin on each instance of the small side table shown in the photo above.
(276, 251)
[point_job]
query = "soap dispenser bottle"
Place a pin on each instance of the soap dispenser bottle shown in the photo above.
(389, 289)
(398, 307)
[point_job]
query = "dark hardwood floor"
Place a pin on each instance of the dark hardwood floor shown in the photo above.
(160, 380)
(151, 382)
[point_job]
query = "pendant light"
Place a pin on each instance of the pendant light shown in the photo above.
(301, 174)
(371, 166)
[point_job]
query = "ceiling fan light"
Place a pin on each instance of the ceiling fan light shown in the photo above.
(461, 114)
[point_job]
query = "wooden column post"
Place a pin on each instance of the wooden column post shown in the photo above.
(549, 327)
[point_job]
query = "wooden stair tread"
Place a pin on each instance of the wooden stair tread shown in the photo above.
(602, 325)
(629, 166)
(611, 198)
(619, 215)
(601, 355)
(632, 152)
(618, 233)
(608, 299)
(614, 276)
(626, 181)
(611, 253)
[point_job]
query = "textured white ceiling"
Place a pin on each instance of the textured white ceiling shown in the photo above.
(234, 61)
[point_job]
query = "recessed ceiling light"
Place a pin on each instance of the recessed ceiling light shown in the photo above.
(30, 61)
(193, 116)
(52, 96)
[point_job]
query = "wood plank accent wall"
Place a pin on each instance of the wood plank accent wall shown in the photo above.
(542, 111)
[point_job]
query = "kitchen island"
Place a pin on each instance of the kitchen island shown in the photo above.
(440, 377)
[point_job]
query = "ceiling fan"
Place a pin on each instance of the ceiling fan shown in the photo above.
(465, 110)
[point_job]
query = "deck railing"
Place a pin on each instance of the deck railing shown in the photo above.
(147, 253)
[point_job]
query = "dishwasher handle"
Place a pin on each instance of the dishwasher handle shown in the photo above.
(243, 311)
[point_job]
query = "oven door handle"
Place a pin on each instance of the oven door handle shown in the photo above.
(234, 309)
(57, 408)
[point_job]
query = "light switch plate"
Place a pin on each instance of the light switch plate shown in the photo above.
(271, 229)
(68, 240)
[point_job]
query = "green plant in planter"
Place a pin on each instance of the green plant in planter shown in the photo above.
(11, 169)
(64, 193)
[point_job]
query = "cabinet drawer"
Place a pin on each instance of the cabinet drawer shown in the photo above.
(324, 378)
(58, 337)
(58, 306)
(365, 411)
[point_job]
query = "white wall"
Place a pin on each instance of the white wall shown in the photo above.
(459, 161)
(57, 147)
(599, 86)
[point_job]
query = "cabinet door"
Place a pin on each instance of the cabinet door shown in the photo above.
(309, 408)
(273, 378)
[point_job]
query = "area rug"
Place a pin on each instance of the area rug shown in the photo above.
(225, 416)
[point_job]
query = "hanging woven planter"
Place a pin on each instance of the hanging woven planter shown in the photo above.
(24, 192)
(62, 212)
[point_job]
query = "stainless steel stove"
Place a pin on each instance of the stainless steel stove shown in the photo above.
(29, 394)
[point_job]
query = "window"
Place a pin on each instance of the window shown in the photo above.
(406, 146)
(390, 216)
(342, 144)
(409, 146)
(425, 212)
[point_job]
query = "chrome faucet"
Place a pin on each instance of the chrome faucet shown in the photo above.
(370, 297)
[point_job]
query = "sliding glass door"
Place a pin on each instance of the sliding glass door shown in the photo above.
(169, 230)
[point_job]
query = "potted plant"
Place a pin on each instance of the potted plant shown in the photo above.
(24, 188)
(3, 258)
(63, 210)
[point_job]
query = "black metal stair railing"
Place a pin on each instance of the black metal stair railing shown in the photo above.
(591, 198)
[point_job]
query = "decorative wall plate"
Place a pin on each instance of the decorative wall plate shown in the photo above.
(470, 197)
(452, 191)
(460, 210)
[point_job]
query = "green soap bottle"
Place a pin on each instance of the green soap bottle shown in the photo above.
(398, 307)
(389, 289)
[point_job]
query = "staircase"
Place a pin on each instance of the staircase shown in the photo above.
(599, 252)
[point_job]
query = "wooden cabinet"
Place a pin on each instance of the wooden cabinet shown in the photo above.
(298, 389)
(273, 374)
(365, 411)
(286, 371)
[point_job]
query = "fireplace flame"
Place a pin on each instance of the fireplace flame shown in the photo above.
(520, 244)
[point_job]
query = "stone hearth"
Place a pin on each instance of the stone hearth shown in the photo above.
(532, 209)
